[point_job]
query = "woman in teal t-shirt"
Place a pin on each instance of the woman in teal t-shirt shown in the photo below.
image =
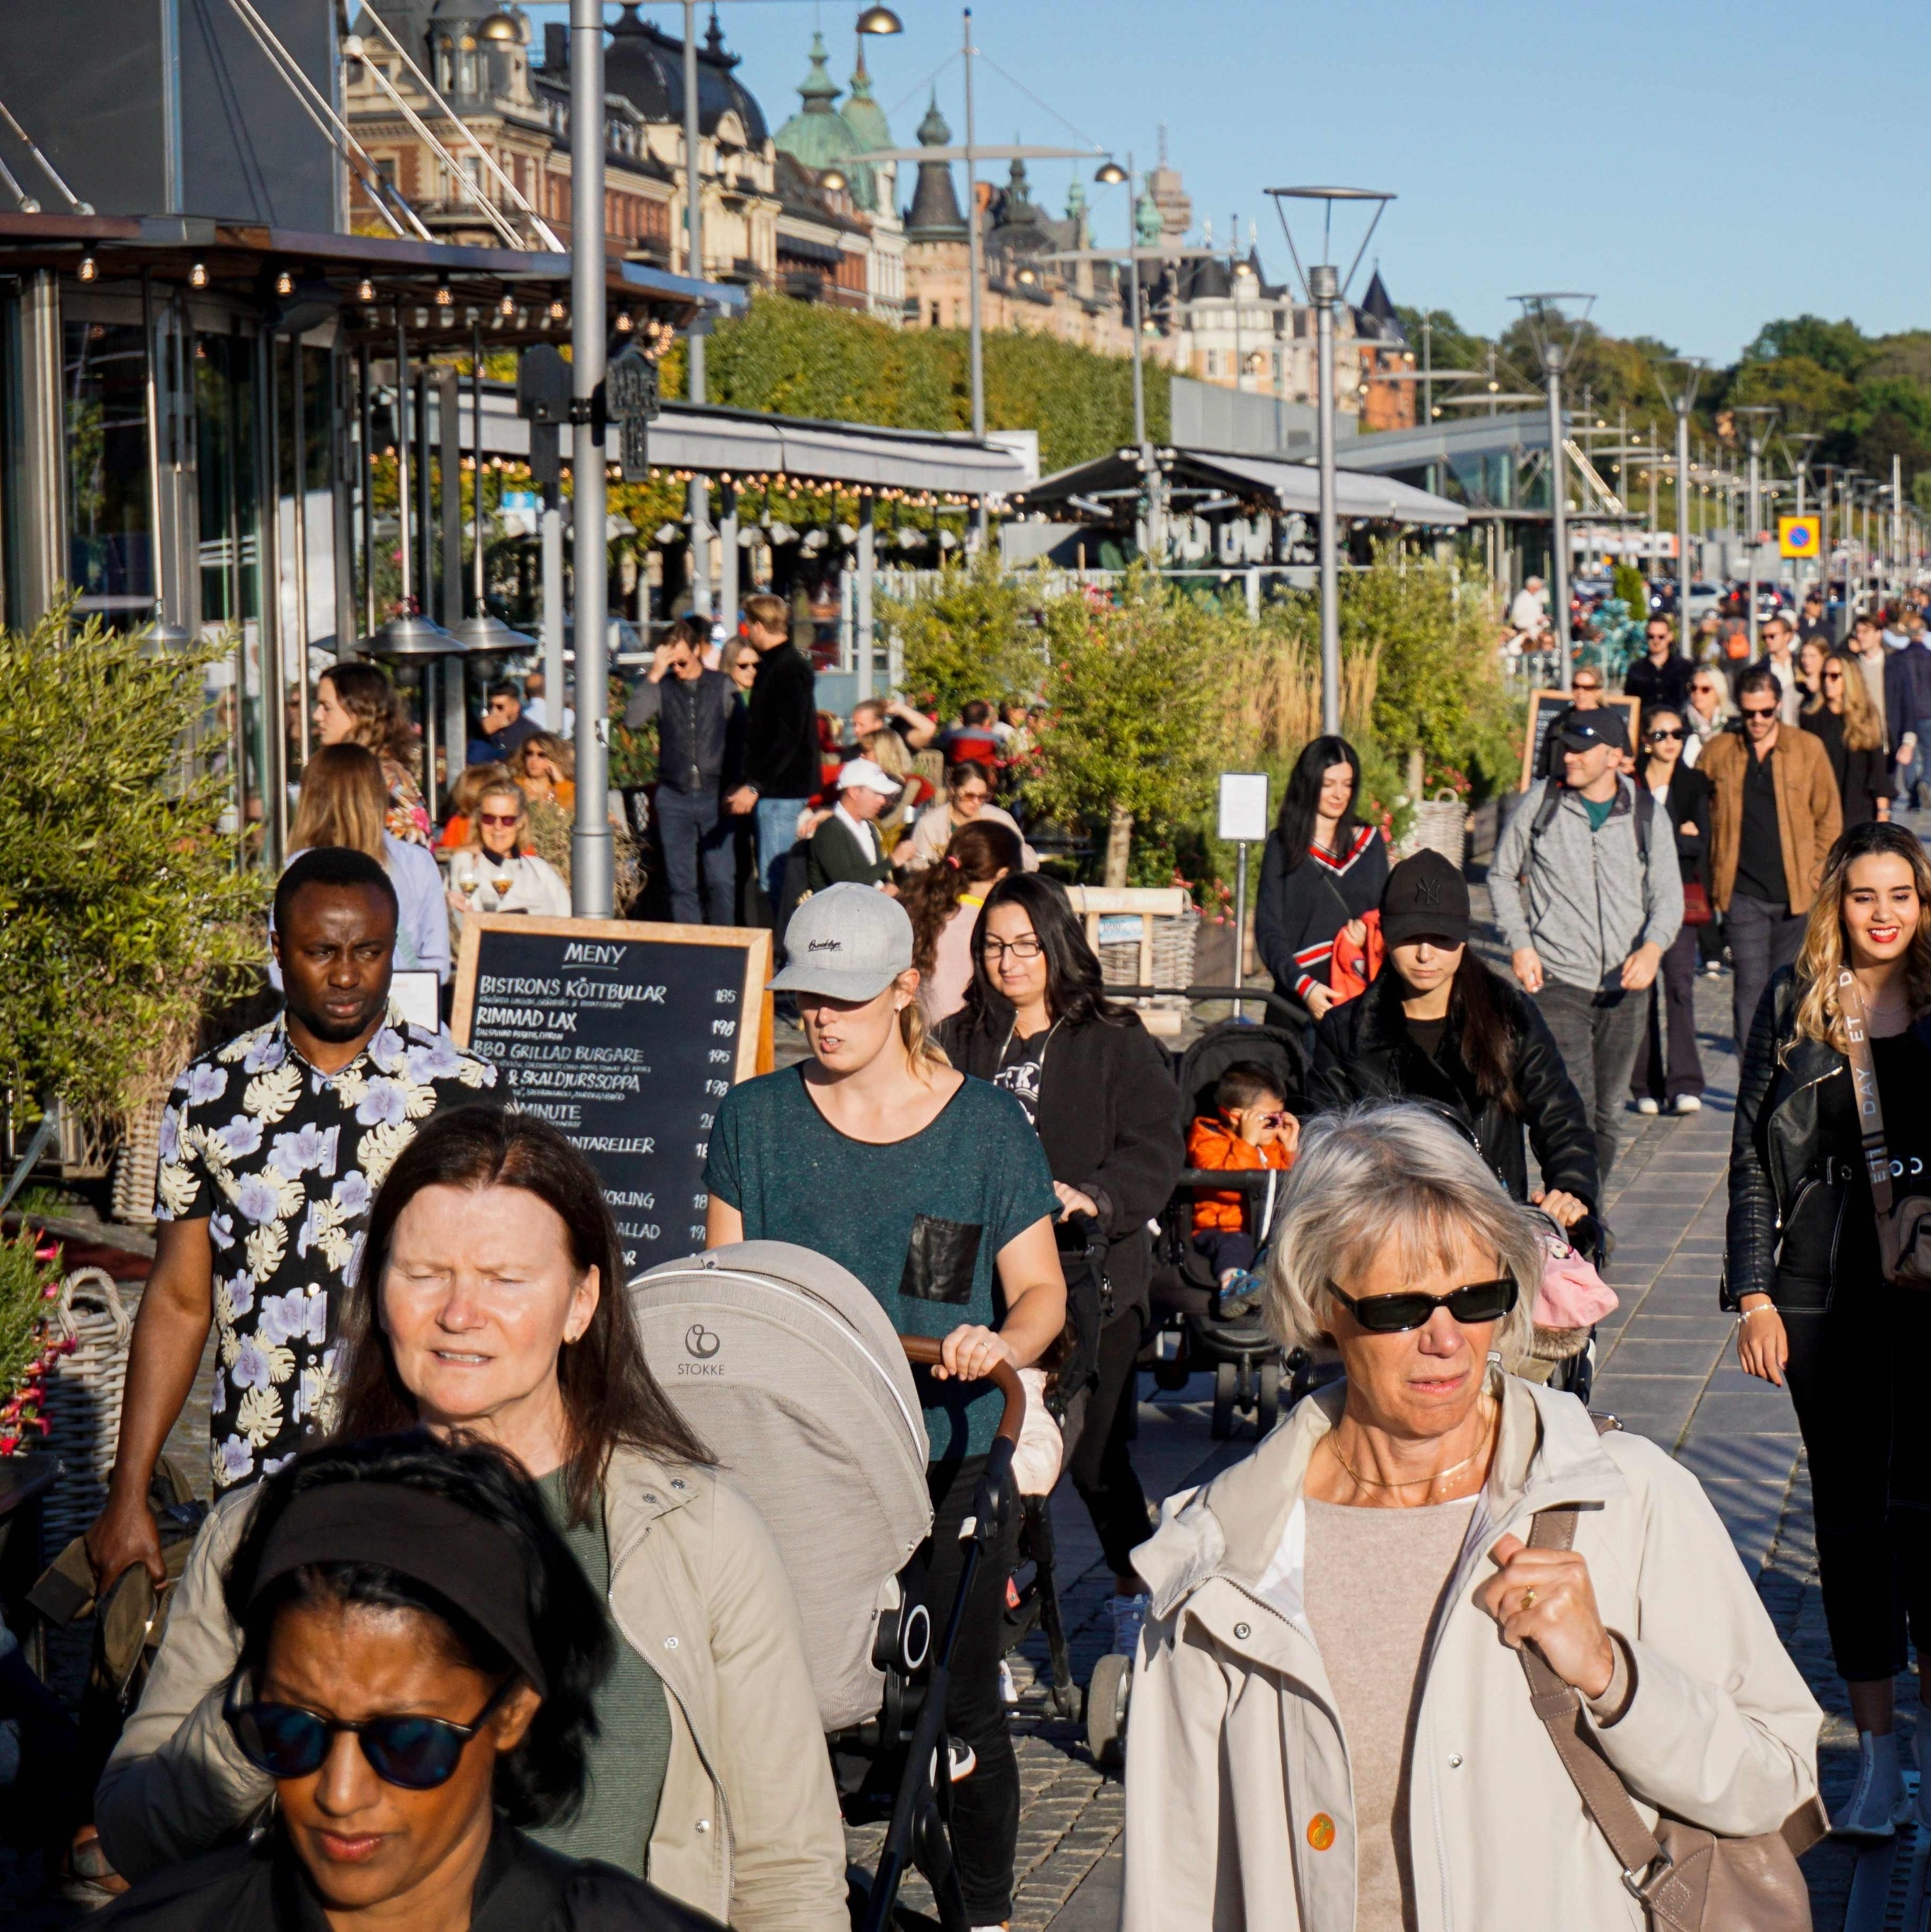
(932, 1189)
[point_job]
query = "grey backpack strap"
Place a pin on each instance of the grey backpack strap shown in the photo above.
(1550, 804)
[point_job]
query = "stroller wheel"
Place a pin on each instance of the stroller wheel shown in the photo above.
(1106, 1699)
(1227, 1393)
(1268, 1413)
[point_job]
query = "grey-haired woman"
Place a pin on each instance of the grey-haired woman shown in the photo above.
(1328, 1728)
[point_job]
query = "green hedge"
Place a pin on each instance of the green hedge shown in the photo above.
(798, 359)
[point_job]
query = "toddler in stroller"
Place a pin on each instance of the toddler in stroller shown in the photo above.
(1250, 1130)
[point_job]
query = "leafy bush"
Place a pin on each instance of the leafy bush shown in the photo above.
(972, 632)
(28, 1286)
(124, 908)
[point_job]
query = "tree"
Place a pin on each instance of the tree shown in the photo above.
(972, 632)
(1132, 732)
(122, 907)
(1842, 347)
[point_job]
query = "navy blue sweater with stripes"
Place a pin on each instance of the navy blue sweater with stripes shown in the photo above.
(1298, 912)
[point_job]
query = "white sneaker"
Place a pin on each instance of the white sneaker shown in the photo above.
(1128, 1614)
(1877, 1805)
(1688, 1103)
(1647, 1106)
(1008, 1690)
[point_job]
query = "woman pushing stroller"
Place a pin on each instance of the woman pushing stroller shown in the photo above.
(933, 1190)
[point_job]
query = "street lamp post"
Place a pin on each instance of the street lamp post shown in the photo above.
(1681, 402)
(592, 880)
(1760, 415)
(1325, 288)
(1557, 336)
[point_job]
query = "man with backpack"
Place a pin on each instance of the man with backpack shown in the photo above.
(1586, 889)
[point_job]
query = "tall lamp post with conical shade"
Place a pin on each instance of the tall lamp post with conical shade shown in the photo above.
(1325, 288)
(1557, 333)
(1681, 397)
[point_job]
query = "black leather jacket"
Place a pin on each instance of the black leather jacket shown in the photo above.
(1362, 1052)
(696, 715)
(1790, 1182)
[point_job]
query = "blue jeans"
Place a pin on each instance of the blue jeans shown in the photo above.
(695, 840)
(1918, 771)
(777, 833)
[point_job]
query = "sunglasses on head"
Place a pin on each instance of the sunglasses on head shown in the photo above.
(416, 1753)
(1397, 1314)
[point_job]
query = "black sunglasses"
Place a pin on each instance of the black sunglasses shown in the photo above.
(417, 1753)
(1397, 1314)
(1663, 737)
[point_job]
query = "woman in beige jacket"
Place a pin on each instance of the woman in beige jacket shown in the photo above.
(481, 1305)
(1328, 1729)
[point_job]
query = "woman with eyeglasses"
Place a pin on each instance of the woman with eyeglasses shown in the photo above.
(491, 872)
(929, 1187)
(489, 1304)
(1842, 715)
(418, 1659)
(1329, 1728)
(1037, 1022)
(1668, 1073)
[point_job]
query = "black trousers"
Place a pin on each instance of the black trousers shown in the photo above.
(1856, 1377)
(1101, 1465)
(985, 1804)
(1664, 1072)
(1763, 936)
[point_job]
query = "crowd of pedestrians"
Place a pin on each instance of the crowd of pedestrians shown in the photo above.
(478, 1631)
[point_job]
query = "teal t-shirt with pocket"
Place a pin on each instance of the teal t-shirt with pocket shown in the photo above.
(921, 1222)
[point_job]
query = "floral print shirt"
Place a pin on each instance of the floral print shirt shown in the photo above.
(283, 1162)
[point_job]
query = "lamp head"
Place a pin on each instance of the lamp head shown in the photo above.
(833, 179)
(1109, 174)
(880, 20)
(501, 28)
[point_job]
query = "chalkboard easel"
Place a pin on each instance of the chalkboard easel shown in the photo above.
(1545, 706)
(624, 1034)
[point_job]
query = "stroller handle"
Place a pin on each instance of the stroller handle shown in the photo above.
(927, 1352)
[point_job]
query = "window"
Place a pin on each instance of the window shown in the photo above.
(109, 561)
(936, 322)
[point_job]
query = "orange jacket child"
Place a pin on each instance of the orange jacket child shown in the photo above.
(1213, 1141)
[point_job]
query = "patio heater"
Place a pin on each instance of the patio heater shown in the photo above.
(480, 631)
(1682, 400)
(1757, 418)
(1557, 334)
(1326, 289)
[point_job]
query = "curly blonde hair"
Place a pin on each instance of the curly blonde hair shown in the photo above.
(1821, 958)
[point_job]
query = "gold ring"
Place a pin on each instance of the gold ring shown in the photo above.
(1529, 1598)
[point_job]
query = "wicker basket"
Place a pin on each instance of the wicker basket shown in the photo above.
(136, 1165)
(1441, 825)
(84, 1403)
(1175, 941)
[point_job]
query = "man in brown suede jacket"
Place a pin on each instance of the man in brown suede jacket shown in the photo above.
(1775, 813)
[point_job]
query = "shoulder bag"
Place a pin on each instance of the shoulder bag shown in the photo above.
(1904, 1227)
(1686, 1879)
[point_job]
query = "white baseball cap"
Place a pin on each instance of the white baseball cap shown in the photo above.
(862, 775)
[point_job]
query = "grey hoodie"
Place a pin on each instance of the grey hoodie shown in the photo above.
(1591, 901)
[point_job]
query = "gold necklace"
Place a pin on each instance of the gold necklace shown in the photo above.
(1406, 1482)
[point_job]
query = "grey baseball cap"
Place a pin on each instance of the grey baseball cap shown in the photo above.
(849, 942)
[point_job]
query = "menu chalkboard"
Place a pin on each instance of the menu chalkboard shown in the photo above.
(625, 1035)
(1545, 706)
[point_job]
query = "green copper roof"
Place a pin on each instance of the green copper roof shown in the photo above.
(819, 136)
(862, 114)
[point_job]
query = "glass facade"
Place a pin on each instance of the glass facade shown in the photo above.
(110, 540)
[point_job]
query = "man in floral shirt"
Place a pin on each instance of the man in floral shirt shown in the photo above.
(272, 1148)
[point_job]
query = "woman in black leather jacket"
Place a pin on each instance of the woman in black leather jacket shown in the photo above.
(1438, 1025)
(1804, 1273)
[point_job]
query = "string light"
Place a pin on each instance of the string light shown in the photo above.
(446, 296)
(365, 290)
(197, 276)
(284, 284)
(88, 271)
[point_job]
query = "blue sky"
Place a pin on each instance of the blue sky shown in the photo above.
(1702, 167)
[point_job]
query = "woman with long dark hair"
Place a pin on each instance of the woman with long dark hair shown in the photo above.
(1851, 728)
(1668, 1071)
(1036, 1021)
(1437, 1025)
(1805, 1276)
(358, 704)
(489, 1302)
(1322, 869)
(419, 1657)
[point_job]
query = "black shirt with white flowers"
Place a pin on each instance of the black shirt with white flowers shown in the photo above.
(283, 1162)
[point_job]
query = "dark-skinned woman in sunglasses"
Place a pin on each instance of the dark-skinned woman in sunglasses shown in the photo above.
(488, 1303)
(1669, 1073)
(419, 1652)
(1329, 1726)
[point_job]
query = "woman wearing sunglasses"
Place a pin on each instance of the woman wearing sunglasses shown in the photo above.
(1669, 1073)
(1329, 1728)
(491, 872)
(1851, 728)
(488, 1303)
(418, 1654)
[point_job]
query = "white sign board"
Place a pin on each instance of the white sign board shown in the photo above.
(1243, 807)
(417, 993)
